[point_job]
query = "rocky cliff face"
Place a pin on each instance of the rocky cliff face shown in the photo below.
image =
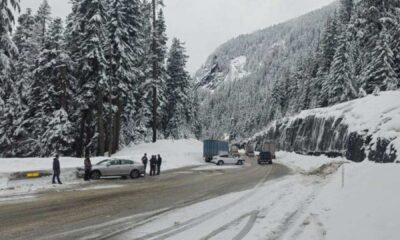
(360, 129)
(315, 136)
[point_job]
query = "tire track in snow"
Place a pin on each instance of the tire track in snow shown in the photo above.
(181, 227)
(246, 229)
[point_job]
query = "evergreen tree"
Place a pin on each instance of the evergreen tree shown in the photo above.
(328, 45)
(42, 19)
(7, 46)
(380, 71)
(124, 26)
(87, 26)
(176, 118)
(340, 85)
(346, 10)
(59, 135)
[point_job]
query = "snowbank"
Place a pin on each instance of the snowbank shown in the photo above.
(175, 153)
(366, 208)
(303, 163)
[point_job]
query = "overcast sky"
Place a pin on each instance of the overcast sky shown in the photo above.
(205, 24)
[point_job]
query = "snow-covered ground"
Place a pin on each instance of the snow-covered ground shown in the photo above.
(311, 204)
(175, 154)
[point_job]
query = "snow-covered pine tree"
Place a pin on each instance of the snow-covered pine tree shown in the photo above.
(155, 53)
(54, 76)
(25, 39)
(340, 84)
(124, 26)
(7, 47)
(59, 135)
(87, 30)
(380, 72)
(176, 117)
(328, 44)
(49, 91)
(8, 96)
(42, 18)
(346, 10)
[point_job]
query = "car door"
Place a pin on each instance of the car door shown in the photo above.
(114, 168)
(126, 167)
(230, 160)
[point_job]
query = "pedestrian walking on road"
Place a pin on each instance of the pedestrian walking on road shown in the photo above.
(159, 162)
(144, 161)
(56, 169)
(153, 163)
(88, 168)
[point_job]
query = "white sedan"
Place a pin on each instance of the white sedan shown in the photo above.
(227, 159)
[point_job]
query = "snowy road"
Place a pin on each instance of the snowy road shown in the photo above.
(127, 205)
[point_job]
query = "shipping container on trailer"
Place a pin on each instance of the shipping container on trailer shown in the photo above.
(213, 148)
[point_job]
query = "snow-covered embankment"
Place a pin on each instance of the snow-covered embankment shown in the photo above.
(366, 127)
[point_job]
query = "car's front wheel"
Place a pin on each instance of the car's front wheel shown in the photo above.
(220, 163)
(95, 175)
(134, 174)
(240, 162)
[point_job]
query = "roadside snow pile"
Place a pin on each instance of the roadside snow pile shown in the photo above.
(310, 165)
(175, 153)
(9, 165)
(3, 180)
(366, 208)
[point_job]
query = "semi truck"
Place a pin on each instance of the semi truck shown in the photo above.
(267, 153)
(235, 151)
(213, 148)
(269, 147)
(250, 150)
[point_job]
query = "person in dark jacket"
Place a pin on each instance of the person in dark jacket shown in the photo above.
(56, 170)
(153, 163)
(144, 161)
(159, 162)
(88, 168)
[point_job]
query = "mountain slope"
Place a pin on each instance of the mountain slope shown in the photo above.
(235, 81)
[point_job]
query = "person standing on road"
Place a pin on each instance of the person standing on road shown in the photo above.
(153, 162)
(88, 168)
(56, 170)
(144, 161)
(159, 162)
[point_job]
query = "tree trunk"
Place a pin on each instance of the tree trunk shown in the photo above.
(79, 142)
(155, 77)
(100, 125)
(63, 88)
(117, 125)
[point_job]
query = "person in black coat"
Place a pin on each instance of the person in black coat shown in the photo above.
(144, 161)
(56, 170)
(153, 163)
(88, 168)
(159, 162)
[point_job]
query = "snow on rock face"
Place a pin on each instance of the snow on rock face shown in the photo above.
(364, 127)
(237, 69)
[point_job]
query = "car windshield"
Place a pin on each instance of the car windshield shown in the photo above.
(104, 162)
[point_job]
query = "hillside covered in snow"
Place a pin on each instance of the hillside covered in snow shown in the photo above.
(337, 54)
(366, 127)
